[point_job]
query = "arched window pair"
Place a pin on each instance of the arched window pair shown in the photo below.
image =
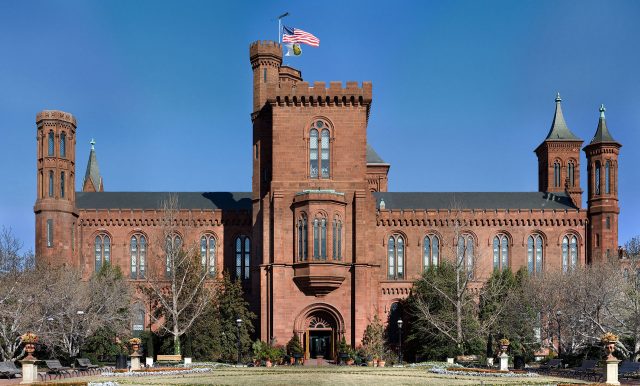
(319, 228)
(395, 257)
(138, 252)
(52, 186)
(51, 145)
(500, 252)
(534, 254)
(243, 257)
(431, 251)
(173, 246)
(569, 252)
(102, 248)
(320, 239)
(208, 254)
(319, 151)
(466, 257)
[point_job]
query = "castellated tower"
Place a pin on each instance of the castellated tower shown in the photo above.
(559, 159)
(55, 197)
(602, 159)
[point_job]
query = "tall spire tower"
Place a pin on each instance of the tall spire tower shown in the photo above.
(92, 179)
(559, 159)
(602, 158)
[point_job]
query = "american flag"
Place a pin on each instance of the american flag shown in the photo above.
(296, 35)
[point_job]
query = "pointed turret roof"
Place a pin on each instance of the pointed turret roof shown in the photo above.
(93, 171)
(602, 132)
(559, 130)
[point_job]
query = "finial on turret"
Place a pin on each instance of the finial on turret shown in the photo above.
(558, 99)
(92, 143)
(602, 110)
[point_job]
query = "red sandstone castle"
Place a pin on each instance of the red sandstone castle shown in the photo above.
(319, 243)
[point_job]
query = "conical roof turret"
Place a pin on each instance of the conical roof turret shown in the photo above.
(92, 179)
(559, 130)
(602, 132)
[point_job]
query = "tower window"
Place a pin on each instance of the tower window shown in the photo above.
(572, 170)
(61, 184)
(597, 182)
(51, 142)
(264, 75)
(556, 174)
(319, 164)
(63, 145)
(49, 233)
(208, 254)
(138, 249)
(395, 257)
(607, 177)
(50, 183)
(243, 257)
(535, 254)
(102, 249)
(172, 249)
(500, 252)
(569, 252)
(431, 251)
(608, 222)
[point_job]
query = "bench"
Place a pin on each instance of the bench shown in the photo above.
(58, 369)
(468, 360)
(169, 358)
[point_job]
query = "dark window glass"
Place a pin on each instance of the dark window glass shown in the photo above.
(51, 144)
(607, 177)
(395, 257)
(597, 182)
(49, 233)
(63, 145)
(50, 183)
(61, 184)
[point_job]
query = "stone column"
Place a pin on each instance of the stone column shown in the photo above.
(29, 372)
(135, 361)
(612, 372)
(504, 362)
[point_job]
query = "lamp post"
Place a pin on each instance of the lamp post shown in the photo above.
(400, 339)
(238, 323)
(558, 315)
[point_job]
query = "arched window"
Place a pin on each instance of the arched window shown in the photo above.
(572, 171)
(51, 142)
(319, 139)
(569, 252)
(466, 254)
(431, 251)
(50, 183)
(138, 251)
(500, 252)
(607, 177)
(102, 250)
(320, 239)
(137, 325)
(63, 145)
(337, 239)
(61, 184)
(597, 182)
(534, 254)
(173, 246)
(395, 257)
(303, 242)
(243, 257)
(556, 174)
(208, 254)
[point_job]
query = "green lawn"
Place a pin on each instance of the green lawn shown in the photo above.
(309, 376)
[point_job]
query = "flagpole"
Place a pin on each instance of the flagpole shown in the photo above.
(280, 25)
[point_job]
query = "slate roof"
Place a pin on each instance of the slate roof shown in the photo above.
(153, 200)
(93, 171)
(474, 200)
(373, 157)
(602, 132)
(559, 130)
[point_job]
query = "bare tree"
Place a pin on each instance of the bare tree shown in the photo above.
(11, 259)
(177, 284)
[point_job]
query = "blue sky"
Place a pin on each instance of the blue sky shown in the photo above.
(463, 90)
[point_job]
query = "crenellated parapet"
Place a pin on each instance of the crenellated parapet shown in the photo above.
(303, 93)
(154, 218)
(55, 115)
(265, 52)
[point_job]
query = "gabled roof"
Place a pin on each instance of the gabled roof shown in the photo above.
(602, 132)
(559, 130)
(373, 157)
(93, 171)
(474, 200)
(154, 200)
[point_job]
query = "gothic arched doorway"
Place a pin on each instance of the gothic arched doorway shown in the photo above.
(320, 328)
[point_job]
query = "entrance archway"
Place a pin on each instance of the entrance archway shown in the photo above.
(320, 328)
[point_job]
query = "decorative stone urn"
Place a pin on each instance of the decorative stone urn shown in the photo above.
(504, 345)
(609, 341)
(29, 340)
